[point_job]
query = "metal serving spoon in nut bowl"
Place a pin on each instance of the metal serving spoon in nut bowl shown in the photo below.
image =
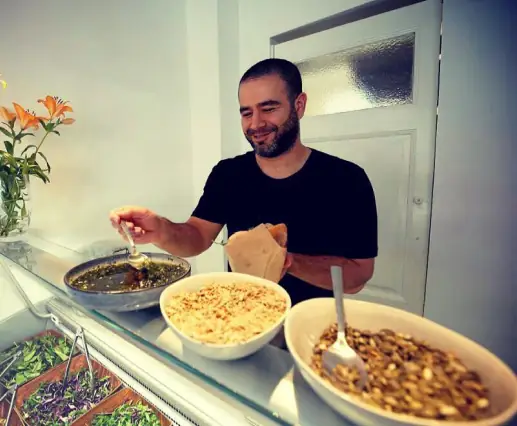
(136, 259)
(340, 353)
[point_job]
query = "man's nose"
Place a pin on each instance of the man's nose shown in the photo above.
(257, 121)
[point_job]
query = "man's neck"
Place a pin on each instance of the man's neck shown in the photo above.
(286, 164)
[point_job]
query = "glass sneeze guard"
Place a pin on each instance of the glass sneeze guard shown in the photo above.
(266, 381)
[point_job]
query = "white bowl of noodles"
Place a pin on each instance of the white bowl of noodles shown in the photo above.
(225, 315)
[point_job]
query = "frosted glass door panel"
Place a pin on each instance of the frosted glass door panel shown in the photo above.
(373, 75)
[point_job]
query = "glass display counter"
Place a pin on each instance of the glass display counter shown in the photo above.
(263, 389)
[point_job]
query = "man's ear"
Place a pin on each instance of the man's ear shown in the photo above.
(299, 105)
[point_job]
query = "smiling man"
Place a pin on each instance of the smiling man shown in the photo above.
(327, 203)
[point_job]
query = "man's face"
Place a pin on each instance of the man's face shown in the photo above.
(269, 122)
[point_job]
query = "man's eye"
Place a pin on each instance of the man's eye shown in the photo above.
(268, 109)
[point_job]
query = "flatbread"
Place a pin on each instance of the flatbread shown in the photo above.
(279, 233)
(260, 252)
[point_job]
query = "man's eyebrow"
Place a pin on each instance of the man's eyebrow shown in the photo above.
(269, 102)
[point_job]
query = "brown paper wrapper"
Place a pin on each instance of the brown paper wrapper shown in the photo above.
(114, 401)
(49, 332)
(58, 373)
(15, 419)
(256, 252)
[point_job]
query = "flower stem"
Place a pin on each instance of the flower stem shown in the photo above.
(41, 142)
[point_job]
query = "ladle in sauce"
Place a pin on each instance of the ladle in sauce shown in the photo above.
(136, 259)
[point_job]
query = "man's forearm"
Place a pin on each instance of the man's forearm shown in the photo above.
(316, 271)
(180, 239)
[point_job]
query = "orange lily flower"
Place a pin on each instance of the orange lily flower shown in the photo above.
(6, 114)
(68, 121)
(26, 118)
(56, 107)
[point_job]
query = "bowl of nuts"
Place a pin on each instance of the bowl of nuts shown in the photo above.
(419, 372)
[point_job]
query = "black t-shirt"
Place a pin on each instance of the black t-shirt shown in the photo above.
(328, 206)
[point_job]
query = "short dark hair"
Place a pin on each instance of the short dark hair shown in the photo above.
(285, 69)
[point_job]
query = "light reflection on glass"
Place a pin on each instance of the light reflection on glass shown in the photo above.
(374, 75)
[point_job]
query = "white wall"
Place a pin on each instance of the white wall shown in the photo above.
(472, 261)
(204, 95)
(123, 65)
(212, 43)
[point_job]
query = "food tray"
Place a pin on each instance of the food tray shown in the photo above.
(57, 374)
(15, 418)
(49, 332)
(114, 401)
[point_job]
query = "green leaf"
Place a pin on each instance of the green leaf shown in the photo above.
(20, 378)
(8, 159)
(9, 147)
(20, 135)
(37, 172)
(45, 159)
(60, 354)
(29, 356)
(27, 148)
(6, 132)
(56, 132)
(43, 124)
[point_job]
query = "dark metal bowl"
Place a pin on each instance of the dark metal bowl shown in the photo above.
(118, 300)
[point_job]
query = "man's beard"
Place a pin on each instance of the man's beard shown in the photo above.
(285, 139)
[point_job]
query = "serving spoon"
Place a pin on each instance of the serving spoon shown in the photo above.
(340, 353)
(136, 259)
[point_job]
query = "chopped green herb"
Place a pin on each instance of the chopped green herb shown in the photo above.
(51, 405)
(127, 415)
(38, 355)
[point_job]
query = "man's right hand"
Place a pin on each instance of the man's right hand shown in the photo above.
(143, 223)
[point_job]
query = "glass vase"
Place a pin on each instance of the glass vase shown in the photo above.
(15, 212)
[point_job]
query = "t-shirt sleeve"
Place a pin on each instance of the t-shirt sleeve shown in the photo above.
(358, 234)
(212, 204)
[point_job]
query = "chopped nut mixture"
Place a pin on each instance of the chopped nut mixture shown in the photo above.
(407, 376)
(226, 313)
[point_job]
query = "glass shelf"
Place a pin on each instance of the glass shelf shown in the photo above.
(266, 381)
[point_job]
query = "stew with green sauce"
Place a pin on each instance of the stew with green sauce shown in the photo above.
(123, 277)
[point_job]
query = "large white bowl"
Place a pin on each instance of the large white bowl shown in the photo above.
(230, 351)
(307, 321)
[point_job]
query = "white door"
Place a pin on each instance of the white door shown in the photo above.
(372, 93)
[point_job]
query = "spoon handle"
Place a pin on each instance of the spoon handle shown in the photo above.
(124, 227)
(337, 287)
